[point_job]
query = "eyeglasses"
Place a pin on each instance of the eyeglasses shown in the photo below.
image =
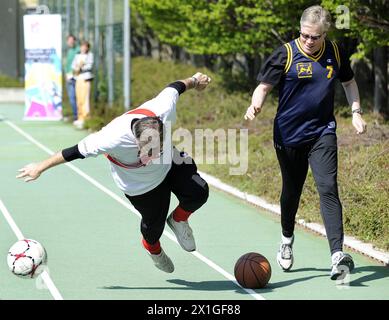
(313, 38)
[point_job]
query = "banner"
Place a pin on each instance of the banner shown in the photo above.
(43, 67)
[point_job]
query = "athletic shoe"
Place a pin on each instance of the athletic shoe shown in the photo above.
(162, 261)
(79, 124)
(285, 256)
(183, 232)
(342, 264)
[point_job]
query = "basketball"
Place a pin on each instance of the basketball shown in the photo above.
(252, 270)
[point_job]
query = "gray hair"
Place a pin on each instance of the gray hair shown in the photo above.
(149, 132)
(316, 15)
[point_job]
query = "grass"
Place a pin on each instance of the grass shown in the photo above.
(8, 82)
(363, 160)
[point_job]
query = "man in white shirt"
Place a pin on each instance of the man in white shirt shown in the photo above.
(146, 167)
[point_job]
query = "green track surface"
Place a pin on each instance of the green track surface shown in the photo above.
(93, 241)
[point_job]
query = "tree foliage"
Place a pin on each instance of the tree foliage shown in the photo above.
(254, 27)
(368, 22)
(224, 26)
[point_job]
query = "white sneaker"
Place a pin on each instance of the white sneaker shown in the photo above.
(342, 264)
(162, 261)
(183, 232)
(285, 256)
(79, 124)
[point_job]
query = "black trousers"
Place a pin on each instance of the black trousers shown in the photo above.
(183, 180)
(322, 158)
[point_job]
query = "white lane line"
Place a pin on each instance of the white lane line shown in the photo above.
(11, 221)
(45, 276)
(127, 205)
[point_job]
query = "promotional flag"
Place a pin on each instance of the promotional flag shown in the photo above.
(43, 68)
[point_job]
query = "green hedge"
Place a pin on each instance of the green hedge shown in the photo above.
(8, 82)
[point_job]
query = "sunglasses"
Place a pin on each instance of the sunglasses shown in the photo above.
(313, 38)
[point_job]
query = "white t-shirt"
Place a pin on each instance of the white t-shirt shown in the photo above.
(117, 140)
(86, 59)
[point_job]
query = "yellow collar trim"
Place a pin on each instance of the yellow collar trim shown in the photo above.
(313, 57)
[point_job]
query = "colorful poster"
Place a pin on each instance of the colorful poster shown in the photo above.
(43, 68)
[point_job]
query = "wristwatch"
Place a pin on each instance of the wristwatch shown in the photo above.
(359, 110)
(195, 82)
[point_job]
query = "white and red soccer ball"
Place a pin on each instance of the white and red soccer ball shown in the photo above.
(27, 258)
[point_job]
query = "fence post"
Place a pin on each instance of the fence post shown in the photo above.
(86, 20)
(96, 47)
(127, 56)
(76, 19)
(109, 53)
(68, 17)
(59, 7)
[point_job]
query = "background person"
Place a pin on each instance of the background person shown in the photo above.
(82, 69)
(72, 50)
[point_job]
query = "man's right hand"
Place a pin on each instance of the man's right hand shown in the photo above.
(30, 172)
(257, 100)
(251, 112)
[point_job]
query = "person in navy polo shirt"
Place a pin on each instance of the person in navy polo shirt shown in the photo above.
(305, 71)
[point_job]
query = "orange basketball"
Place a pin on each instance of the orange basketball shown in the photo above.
(252, 270)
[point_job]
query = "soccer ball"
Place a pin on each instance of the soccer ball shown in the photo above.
(26, 258)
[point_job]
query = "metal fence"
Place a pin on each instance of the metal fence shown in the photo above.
(105, 24)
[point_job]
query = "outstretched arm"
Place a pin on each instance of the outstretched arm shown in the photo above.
(167, 99)
(198, 81)
(32, 171)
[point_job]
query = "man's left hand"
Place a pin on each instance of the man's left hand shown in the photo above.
(202, 81)
(358, 123)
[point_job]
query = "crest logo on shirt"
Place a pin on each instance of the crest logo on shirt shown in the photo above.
(331, 125)
(304, 69)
